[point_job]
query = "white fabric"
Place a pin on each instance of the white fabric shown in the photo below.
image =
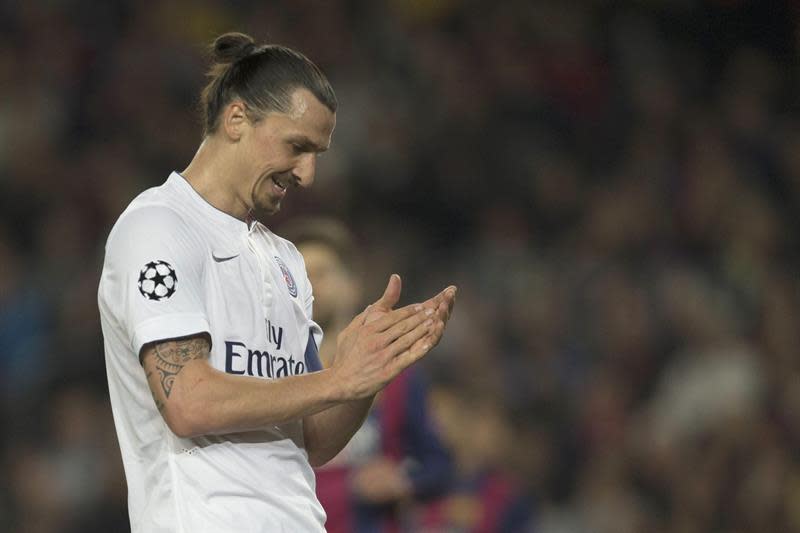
(246, 482)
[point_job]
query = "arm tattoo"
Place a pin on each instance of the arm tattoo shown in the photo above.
(159, 403)
(170, 358)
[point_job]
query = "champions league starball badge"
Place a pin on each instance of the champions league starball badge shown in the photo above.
(287, 276)
(157, 280)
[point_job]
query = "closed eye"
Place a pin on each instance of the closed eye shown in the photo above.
(304, 145)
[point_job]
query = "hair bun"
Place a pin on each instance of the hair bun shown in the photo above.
(231, 47)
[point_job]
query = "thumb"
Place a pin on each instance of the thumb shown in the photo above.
(392, 293)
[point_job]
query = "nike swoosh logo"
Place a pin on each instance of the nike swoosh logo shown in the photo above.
(223, 259)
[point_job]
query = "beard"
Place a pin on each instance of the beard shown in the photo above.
(262, 211)
(266, 198)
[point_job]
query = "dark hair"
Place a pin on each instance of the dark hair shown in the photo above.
(264, 77)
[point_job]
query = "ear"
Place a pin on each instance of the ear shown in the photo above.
(234, 120)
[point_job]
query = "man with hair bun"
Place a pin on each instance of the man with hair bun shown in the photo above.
(220, 402)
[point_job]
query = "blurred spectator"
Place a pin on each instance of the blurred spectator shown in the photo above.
(66, 474)
(396, 459)
(484, 497)
(24, 324)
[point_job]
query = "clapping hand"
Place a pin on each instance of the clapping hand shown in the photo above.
(381, 341)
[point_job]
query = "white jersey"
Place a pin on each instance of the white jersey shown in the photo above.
(177, 266)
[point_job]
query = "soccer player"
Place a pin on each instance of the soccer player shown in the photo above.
(219, 399)
(396, 460)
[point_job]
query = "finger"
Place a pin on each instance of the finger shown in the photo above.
(444, 308)
(408, 339)
(437, 331)
(359, 319)
(446, 295)
(449, 297)
(393, 317)
(392, 293)
(443, 303)
(443, 312)
(450, 293)
(419, 316)
(413, 354)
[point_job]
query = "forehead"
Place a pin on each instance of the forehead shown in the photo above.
(308, 117)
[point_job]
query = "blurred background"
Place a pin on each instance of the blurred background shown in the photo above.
(612, 184)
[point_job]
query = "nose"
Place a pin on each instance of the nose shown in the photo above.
(305, 169)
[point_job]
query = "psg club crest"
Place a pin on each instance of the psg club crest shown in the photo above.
(157, 280)
(287, 277)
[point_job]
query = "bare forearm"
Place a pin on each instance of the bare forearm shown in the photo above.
(196, 399)
(328, 431)
(206, 401)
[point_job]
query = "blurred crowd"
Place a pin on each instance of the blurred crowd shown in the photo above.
(612, 185)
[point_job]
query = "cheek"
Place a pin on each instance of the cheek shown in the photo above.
(262, 186)
(261, 154)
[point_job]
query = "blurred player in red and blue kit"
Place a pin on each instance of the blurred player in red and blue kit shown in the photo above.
(396, 460)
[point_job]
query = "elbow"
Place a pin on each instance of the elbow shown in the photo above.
(187, 412)
(181, 427)
(318, 455)
(182, 417)
(318, 458)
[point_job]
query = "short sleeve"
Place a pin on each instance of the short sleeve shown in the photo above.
(152, 277)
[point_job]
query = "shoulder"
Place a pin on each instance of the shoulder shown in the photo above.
(153, 225)
(148, 220)
(157, 210)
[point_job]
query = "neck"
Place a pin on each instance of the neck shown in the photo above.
(212, 175)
